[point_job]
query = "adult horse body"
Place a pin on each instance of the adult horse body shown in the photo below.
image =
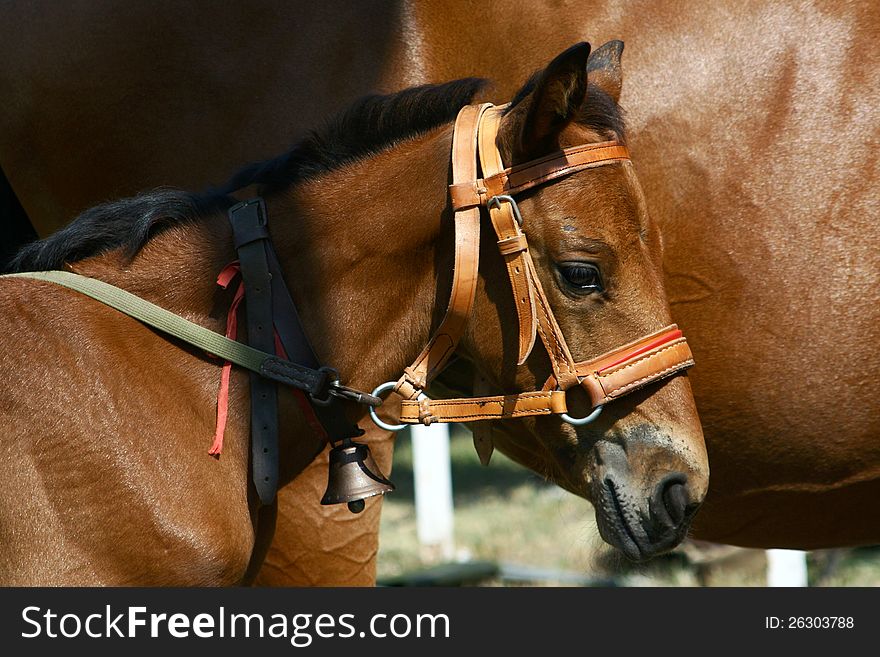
(756, 156)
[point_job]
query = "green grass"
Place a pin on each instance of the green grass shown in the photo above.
(505, 513)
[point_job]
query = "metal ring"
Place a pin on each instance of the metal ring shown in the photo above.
(504, 197)
(580, 421)
(385, 387)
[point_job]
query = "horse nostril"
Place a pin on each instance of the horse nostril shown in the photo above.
(672, 495)
(675, 498)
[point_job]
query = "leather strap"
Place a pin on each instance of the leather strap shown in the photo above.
(443, 343)
(634, 366)
(427, 411)
(511, 241)
(473, 193)
(250, 235)
(606, 378)
(521, 269)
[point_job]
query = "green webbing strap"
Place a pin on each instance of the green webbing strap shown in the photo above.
(314, 382)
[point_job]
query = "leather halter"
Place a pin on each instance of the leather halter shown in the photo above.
(611, 375)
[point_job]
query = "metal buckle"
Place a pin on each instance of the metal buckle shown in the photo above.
(580, 421)
(496, 200)
(351, 394)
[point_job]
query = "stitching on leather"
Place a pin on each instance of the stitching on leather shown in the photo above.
(287, 374)
(463, 418)
(558, 348)
(639, 360)
(575, 150)
(651, 377)
(588, 366)
(426, 406)
(558, 173)
(491, 400)
(504, 176)
(564, 171)
(523, 311)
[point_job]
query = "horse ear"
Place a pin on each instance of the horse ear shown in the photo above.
(603, 68)
(531, 127)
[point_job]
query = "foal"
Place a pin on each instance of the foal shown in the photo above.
(105, 476)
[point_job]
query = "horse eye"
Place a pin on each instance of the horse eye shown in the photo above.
(583, 277)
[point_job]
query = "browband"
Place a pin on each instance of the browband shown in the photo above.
(537, 172)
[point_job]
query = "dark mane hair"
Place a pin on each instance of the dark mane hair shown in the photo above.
(368, 126)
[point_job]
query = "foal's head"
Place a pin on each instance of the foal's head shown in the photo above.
(370, 261)
(598, 255)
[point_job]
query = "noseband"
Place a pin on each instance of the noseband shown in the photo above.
(637, 364)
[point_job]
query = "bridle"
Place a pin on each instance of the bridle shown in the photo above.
(279, 352)
(642, 362)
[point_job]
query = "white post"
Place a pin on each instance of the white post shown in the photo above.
(433, 484)
(786, 568)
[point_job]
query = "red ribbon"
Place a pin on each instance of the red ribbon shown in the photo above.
(226, 277)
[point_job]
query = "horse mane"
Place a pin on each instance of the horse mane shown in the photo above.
(370, 125)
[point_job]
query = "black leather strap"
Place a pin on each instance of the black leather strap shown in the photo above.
(314, 382)
(248, 221)
(270, 307)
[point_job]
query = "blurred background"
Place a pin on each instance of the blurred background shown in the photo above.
(511, 528)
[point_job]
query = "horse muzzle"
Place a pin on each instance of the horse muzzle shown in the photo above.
(642, 515)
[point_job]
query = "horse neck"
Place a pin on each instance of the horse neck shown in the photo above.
(177, 269)
(366, 251)
(361, 250)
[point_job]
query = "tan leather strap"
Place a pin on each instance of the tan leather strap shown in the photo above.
(518, 179)
(633, 366)
(521, 268)
(564, 368)
(511, 241)
(426, 411)
(607, 385)
(467, 261)
(606, 378)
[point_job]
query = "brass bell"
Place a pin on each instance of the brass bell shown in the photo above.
(354, 476)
